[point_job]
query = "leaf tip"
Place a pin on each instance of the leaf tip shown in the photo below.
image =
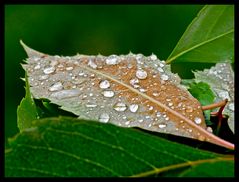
(30, 52)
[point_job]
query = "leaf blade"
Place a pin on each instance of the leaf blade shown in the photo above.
(210, 34)
(92, 149)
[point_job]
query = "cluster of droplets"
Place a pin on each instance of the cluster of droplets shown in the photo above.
(74, 78)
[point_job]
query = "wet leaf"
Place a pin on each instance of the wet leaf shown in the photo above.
(221, 80)
(127, 90)
(209, 38)
(68, 147)
(26, 111)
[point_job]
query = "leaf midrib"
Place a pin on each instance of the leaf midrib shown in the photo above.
(181, 165)
(199, 45)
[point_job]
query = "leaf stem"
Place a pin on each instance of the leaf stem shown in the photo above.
(215, 105)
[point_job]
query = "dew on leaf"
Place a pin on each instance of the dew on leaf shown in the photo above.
(49, 70)
(120, 106)
(197, 120)
(56, 86)
(164, 77)
(104, 84)
(108, 93)
(104, 118)
(112, 60)
(133, 107)
(141, 74)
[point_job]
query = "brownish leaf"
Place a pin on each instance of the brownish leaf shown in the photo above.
(127, 90)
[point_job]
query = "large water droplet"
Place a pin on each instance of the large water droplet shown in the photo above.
(141, 74)
(56, 86)
(120, 107)
(49, 70)
(108, 93)
(133, 107)
(197, 120)
(164, 77)
(104, 84)
(66, 93)
(104, 118)
(112, 60)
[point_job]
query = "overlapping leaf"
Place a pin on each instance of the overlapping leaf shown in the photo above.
(221, 80)
(68, 147)
(127, 90)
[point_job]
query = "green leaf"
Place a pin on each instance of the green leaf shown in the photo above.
(202, 92)
(26, 111)
(209, 38)
(76, 148)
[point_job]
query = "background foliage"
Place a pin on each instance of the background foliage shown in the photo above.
(89, 29)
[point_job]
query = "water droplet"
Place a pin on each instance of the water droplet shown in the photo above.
(91, 105)
(66, 93)
(160, 69)
(92, 64)
(151, 108)
(120, 107)
(162, 125)
(141, 74)
(153, 57)
(189, 109)
(209, 129)
(140, 120)
(108, 93)
(197, 120)
(43, 77)
(49, 70)
(155, 94)
(134, 81)
(127, 122)
(37, 67)
(56, 86)
(161, 65)
(158, 114)
(142, 90)
(104, 84)
(69, 68)
(164, 77)
(170, 104)
(104, 118)
(112, 60)
(133, 107)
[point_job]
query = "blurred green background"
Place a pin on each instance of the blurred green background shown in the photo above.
(87, 29)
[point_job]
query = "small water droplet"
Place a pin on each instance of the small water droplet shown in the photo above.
(49, 70)
(141, 74)
(151, 108)
(120, 107)
(104, 84)
(127, 122)
(140, 120)
(69, 68)
(189, 109)
(37, 67)
(134, 81)
(161, 65)
(92, 64)
(160, 69)
(164, 77)
(197, 120)
(153, 57)
(158, 114)
(162, 125)
(43, 77)
(209, 129)
(142, 90)
(108, 93)
(56, 86)
(112, 60)
(170, 104)
(104, 118)
(133, 107)
(155, 94)
(91, 105)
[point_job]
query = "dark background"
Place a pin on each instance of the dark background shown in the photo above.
(88, 29)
